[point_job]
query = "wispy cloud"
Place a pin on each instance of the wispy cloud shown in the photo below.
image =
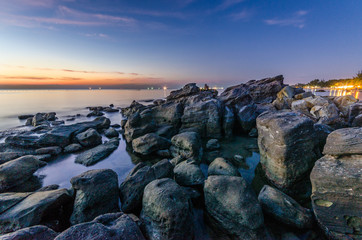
(227, 4)
(243, 15)
(296, 20)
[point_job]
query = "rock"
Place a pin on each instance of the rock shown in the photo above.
(95, 114)
(228, 122)
(354, 111)
(49, 150)
(29, 121)
(287, 92)
(212, 144)
(150, 143)
(8, 156)
(329, 111)
(300, 106)
(220, 166)
(345, 141)
(48, 188)
(56, 123)
(44, 157)
(187, 90)
(133, 108)
(62, 135)
(187, 145)
(131, 190)
(357, 122)
(111, 133)
(336, 195)
(50, 116)
(18, 171)
(116, 125)
(205, 117)
(188, 173)
(288, 146)
(38, 119)
(139, 125)
(303, 95)
(238, 158)
(26, 116)
(20, 210)
(168, 113)
(23, 141)
(253, 132)
(233, 208)
(31, 233)
(264, 90)
(89, 138)
(166, 211)
(94, 155)
(316, 101)
(96, 193)
(164, 153)
(75, 147)
(284, 209)
(246, 116)
(166, 131)
(344, 102)
(111, 226)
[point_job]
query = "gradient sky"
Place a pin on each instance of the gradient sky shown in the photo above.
(172, 42)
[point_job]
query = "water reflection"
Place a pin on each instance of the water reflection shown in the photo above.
(336, 91)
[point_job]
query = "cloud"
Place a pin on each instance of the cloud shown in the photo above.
(228, 3)
(243, 15)
(296, 20)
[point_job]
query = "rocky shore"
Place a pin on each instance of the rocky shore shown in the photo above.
(310, 159)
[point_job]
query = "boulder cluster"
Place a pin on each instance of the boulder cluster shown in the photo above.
(310, 153)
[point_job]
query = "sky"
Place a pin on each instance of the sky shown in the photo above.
(118, 43)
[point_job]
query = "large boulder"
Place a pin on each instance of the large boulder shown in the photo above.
(139, 124)
(344, 102)
(18, 171)
(187, 90)
(246, 116)
(150, 143)
(166, 211)
(284, 209)
(31, 233)
(111, 226)
(355, 110)
(188, 173)
(288, 146)
(96, 154)
(89, 138)
(20, 210)
(205, 117)
(168, 113)
(233, 208)
(221, 166)
(337, 187)
(111, 133)
(96, 193)
(186, 145)
(131, 190)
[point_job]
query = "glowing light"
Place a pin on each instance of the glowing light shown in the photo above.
(164, 88)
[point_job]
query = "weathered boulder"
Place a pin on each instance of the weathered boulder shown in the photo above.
(328, 112)
(166, 211)
(150, 143)
(38, 232)
(168, 113)
(74, 147)
(246, 116)
(300, 106)
(187, 90)
(96, 154)
(316, 101)
(187, 145)
(212, 144)
(205, 117)
(18, 171)
(96, 193)
(284, 209)
(89, 138)
(354, 111)
(287, 92)
(221, 166)
(288, 146)
(8, 156)
(337, 187)
(345, 141)
(38, 119)
(344, 102)
(188, 173)
(300, 96)
(131, 190)
(110, 226)
(357, 121)
(49, 150)
(166, 131)
(25, 116)
(139, 124)
(233, 208)
(111, 133)
(20, 210)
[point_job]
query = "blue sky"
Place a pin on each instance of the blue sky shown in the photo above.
(173, 42)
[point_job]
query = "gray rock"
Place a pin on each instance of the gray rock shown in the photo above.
(166, 131)
(96, 193)
(38, 119)
(187, 90)
(212, 144)
(168, 113)
(357, 121)
(228, 122)
(345, 141)
(20, 210)
(89, 138)
(111, 133)
(220, 166)
(26, 116)
(166, 211)
(49, 150)
(284, 209)
(44, 157)
(300, 96)
(94, 155)
(187, 145)
(131, 190)
(288, 146)
(246, 116)
(111, 226)
(188, 173)
(16, 172)
(31, 233)
(8, 156)
(253, 132)
(354, 111)
(233, 207)
(138, 125)
(150, 143)
(74, 147)
(344, 102)
(164, 153)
